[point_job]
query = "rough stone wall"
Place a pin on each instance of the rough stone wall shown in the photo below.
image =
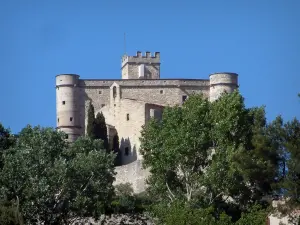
(131, 71)
(130, 119)
(125, 72)
(68, 105)
(153, 111)
(129, 103)
(144, 83)
(100, 96)
(222, 82)
(132, 173)
(130, 66)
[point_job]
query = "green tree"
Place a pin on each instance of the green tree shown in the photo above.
(255, 215)
(178, 213)
(90, 128)
(176, 150)
(116, 150)
(100, 130)
(210, 154)
(53, 181)
(291, 181)
(7, 140)
(10, 214)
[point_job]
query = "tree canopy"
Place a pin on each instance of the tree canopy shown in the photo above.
(96, 126)
(211, 154)
(210, 162)
(55, 182)
(100, 130)
(90, 128)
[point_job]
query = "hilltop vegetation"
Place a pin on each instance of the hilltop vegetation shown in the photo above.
(210, 163)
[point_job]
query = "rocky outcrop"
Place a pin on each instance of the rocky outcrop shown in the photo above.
(118, 219)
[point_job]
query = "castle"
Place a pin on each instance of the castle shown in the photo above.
(128, 104)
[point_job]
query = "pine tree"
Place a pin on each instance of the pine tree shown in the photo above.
(100, 129)
(90, 129)
(116, 150)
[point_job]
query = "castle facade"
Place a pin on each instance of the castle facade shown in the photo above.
(128, 104)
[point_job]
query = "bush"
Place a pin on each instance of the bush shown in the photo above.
(9, 214)
(179, 213)
(125, 201)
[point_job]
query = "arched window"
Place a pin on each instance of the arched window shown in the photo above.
(114, 92)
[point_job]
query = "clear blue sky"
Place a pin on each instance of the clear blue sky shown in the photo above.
(258, 39)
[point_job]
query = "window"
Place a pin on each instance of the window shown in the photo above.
(115, 105)
(102, 105)
(67, 136)
(114, 92)
(100, 92)
(184, 97)
(63, 102)
(71, 118)
(127, 116)
(161, 91)
(58, 120)
(126, 151)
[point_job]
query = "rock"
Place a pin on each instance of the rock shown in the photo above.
(117, 219)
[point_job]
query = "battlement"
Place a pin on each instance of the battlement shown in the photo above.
(140, 58)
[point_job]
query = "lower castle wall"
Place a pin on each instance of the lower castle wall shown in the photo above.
(132, 173)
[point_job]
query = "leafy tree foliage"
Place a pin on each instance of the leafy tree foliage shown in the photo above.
(179, 213)
(10, 214)
(291, 181)
(210, 154)
(116, 150)
(90, 129)
(53, 181)
(7, 140)
(100, 129)
(96, 127)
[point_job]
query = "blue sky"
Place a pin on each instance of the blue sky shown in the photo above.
(258, 39)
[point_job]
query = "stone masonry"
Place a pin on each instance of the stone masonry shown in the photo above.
(128, 104)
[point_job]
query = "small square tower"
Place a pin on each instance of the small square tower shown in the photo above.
(141, 66)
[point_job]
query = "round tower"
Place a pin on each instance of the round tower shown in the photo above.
(67, 108)
(222, 82)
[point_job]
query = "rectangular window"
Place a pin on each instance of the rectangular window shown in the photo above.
(63, 102)
(184, 97)
(58, 120)
(161, 91)
(126, 151)
(127, 116)
(100, 92)
(141, 71)
(71, 118)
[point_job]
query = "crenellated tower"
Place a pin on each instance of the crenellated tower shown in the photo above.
(222, 82)
(141, 66)
(67, 105)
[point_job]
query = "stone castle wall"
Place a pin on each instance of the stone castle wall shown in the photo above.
(128, 104)
(130, 66)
